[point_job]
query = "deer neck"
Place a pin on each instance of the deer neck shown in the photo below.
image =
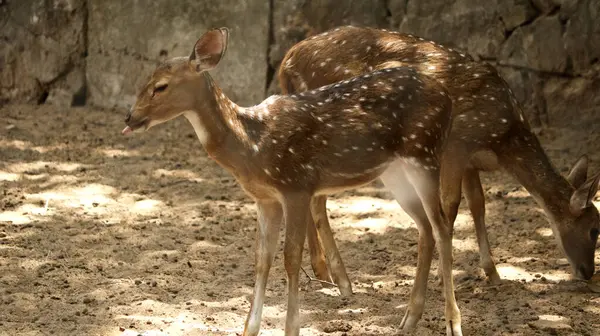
(533, 169)
(224, 128)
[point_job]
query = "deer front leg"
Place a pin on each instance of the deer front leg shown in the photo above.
(317, 256)
(296, 214)
(321, 222)
(476, 201)
(269, 220)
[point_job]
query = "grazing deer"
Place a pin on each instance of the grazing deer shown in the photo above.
(290, 151)
(489, 132)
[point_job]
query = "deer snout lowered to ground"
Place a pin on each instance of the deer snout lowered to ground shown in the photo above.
(489, 132)
(290, 151)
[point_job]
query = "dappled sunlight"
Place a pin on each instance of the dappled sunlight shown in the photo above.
(213, 317)
(357, 205)
(114, 152)
(594, 307)
(406, 270)
(553, 322)
(106, 235)
(26, 145)
(178, 325)
(25, 167)
(146, 206)
(97, 199)
(203, 245)
(6, 176)
(38, 170)
(180, 173)
(515, 273)
(544, 232)
(464, 223)
(16, 217)
(391, 285)
(329, 291)
(374, 225)
(88, 196)
(465, 245)
(27, 213)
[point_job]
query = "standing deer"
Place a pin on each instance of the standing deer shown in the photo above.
(489, 132)
(290, 151)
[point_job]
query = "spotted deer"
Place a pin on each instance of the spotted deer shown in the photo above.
(489, 132)
(290, 151)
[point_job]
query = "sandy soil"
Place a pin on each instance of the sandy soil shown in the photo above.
(106, 235)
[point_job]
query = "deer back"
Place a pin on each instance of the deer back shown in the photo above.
(484, 107)
(351, 130)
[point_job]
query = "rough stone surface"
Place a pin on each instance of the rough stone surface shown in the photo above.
(528, 46)
(582, 35)
(532, 42)
(42, 50)
(467, 24)
(127, 39)
(294, 20)
(569, 101)
(528, 87)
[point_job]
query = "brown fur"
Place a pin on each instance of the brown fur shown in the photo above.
(489, 131)
(290, 151)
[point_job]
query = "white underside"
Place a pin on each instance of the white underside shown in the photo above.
(199, 128)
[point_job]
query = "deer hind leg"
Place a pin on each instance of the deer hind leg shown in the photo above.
(297, 215)
(315, 247)
(404, 193)
(321, 222)
(427, 185)
(476, 201)
(270, 215)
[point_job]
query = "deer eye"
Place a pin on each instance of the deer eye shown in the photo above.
(159, 88)
(594, 234)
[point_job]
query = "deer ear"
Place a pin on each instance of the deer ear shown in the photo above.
(578, 173)
(209, 49)
(584, 195)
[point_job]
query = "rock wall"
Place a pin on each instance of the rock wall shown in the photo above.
(43, 51)
(128, 38)
(100, 51)
(547, 50)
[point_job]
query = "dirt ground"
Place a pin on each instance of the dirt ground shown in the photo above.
(102, 234)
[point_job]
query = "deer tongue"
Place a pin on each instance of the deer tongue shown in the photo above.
(126, 130)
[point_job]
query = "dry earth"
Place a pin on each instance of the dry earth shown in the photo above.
(106, 235)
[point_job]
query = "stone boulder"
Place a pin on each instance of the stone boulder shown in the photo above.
(573, 102)
(530, 46)
(42, 51)
(478, 27)
(294, 20)
(128, 38)
(582, 34)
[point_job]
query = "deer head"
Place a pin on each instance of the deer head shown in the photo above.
(177, 85)
(579, 239)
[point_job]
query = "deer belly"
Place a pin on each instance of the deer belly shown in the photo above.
(333, 181)
(485, 160)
